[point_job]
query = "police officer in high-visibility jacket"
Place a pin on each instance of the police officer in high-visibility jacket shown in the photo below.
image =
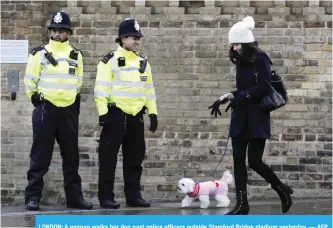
(53, 81)
(123, 91)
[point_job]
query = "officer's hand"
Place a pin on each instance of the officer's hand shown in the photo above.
(103, 119)
(153, 122)
(36, 99)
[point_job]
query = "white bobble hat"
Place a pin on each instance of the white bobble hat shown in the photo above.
(241, 32)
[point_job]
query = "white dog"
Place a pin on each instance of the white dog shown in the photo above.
(204, 190)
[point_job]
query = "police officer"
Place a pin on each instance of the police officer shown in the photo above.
(123, 90)
(53, 81)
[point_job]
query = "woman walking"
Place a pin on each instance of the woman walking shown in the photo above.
(250, 126)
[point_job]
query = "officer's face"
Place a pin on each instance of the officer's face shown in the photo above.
(59, 34)
(131, 43)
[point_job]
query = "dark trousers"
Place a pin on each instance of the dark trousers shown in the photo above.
(128, 131)
(255, 152)
(49, 123)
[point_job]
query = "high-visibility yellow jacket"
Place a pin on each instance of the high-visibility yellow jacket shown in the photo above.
(59, 84)
(124, 85)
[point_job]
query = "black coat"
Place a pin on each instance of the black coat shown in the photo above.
(248, 120)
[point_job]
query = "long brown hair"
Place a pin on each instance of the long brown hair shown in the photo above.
(249, 52)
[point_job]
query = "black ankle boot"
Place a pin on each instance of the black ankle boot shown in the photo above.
(242, 206)
(284, 192)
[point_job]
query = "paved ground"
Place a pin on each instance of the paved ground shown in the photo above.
(17, 216)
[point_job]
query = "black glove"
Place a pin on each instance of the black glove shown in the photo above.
(228, 107)
(103, 119)
(216, 107)
(153, 122)
(78, 103)
(37, 99)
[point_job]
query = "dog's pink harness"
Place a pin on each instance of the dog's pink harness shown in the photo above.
(209, 188)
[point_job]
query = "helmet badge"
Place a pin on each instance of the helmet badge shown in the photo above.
(57, 18)
(136, 26)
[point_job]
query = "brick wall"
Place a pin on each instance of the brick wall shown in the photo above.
(187, 46)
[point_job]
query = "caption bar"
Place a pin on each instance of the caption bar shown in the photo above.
(183, 221)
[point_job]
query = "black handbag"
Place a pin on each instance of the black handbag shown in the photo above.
(277, 96)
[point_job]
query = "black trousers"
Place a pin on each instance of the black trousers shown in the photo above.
(128, 131)
(255, 152)
(49, 123)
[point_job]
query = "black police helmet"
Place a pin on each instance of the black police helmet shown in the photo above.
(61, 20)
(129, 27)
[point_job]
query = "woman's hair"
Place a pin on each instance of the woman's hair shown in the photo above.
(248, 53)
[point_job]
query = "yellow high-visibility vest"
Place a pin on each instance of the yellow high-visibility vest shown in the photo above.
(59, 84)
(124, 85)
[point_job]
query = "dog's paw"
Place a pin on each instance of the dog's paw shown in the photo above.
(204, 206)
(185, 203)
(225, 203)
(222, 204)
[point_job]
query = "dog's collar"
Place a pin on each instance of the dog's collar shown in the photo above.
(195, 192)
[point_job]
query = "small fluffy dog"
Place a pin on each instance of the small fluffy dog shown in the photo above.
(204, 190)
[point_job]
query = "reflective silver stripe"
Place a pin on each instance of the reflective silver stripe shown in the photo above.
(44, 70)
(149, 86)
(67, 60)
(30, 88)
(115, 68)
(57, 76)
(57, 86)
(129, 69)
(128, 94)
(101, 94)
(151, 96)
(46, 62)
(31, 77)
(131, 84)
(103, 83)
(80, 78)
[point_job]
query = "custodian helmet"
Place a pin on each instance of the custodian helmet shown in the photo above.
(129, 27)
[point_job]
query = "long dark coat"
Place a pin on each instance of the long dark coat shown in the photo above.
(248, 120)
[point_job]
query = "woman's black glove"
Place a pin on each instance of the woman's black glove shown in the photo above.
(216, 107)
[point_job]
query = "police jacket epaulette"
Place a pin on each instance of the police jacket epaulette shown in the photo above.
(76, 49)
(36, 49)
(142, 56)
(107, 57)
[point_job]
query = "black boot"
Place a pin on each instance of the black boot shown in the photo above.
(139, 202)
(32, 205)
(242, 206)
(110, 204)
(80, 204)
(284, 192)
